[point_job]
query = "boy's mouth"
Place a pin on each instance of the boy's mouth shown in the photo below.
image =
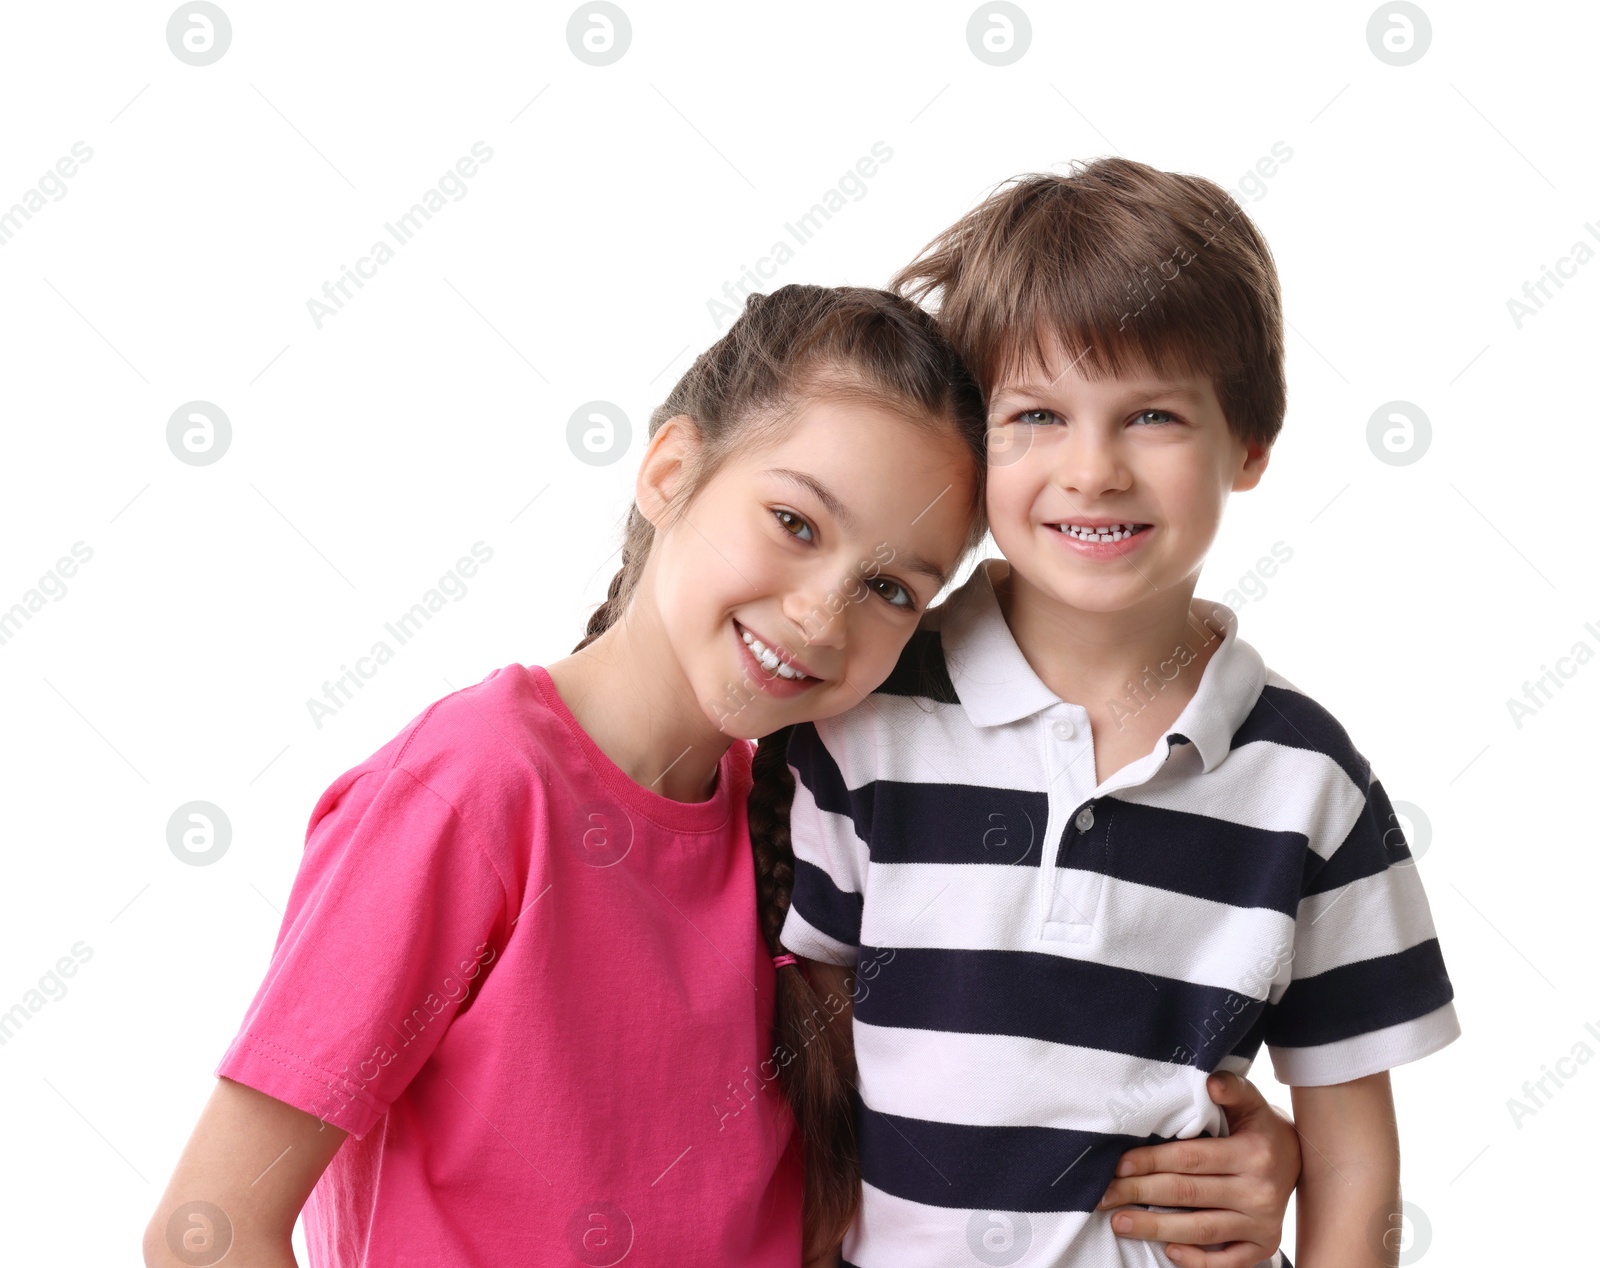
(1100, 532)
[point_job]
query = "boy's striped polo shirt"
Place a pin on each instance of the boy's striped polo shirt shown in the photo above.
(1050, 968)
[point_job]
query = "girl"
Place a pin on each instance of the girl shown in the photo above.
(520, 1009)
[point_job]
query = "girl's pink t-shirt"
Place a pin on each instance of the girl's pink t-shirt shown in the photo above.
(535, 993)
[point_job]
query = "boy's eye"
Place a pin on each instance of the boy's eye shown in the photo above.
(791, 517)
(1155, 416)
(1035, 417)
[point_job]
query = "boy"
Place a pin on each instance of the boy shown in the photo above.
(1090, 846)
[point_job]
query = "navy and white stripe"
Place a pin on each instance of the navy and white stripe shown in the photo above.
(1052, 967)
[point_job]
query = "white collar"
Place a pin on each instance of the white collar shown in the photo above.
(996, 685)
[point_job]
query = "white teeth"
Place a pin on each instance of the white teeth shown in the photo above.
(769, 659)
(1110, 533)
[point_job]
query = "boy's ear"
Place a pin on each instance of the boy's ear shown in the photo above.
(666, 464)
(1255, 466)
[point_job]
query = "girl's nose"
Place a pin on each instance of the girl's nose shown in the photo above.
(818, 611)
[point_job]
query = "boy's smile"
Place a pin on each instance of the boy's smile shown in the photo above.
(1100, 538)
(1110, 490)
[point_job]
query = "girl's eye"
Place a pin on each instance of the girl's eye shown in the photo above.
(791, 516)
(1035, 417)
(1156, 415)
(896, 595)
(909, 602)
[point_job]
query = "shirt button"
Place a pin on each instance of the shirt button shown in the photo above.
(1063, 729)
(1085, 819)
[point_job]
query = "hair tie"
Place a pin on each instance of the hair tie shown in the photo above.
(778, 961)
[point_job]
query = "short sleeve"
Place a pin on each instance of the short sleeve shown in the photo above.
(393, 919)
(830, 856)
(1368, 988)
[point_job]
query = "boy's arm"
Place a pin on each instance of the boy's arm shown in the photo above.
(1240, 1184)
(1368, 991)
(830, 858)
(1349, 1206)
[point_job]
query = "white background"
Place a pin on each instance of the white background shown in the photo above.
(431, 413)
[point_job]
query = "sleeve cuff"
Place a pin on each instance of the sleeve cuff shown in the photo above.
(263, 1065)
(802, 938)
(1361, 1055)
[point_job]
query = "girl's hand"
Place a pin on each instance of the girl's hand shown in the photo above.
(1240, 1184)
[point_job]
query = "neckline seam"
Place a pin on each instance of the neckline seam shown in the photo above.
(688, 817)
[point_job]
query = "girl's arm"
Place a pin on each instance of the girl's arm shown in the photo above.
(253, 1159)
(1349, 1212)
(1240, 1182)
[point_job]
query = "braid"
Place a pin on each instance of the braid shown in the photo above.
(601, 619)
(636, 540)
(770, 795)
(810, 1051)
(796, 344)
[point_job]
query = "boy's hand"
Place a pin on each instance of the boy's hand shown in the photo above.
(1240, 1184)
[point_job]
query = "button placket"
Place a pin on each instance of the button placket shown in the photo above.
(1068, 903)
(1057, 766)
(1069, 897)
(1087, 884)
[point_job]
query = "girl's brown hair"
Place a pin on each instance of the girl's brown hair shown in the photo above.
(1126, 265)
(800, 344)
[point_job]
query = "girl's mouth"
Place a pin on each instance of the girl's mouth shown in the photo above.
(770, 671)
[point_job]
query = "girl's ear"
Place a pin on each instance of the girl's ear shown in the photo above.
(666, 464)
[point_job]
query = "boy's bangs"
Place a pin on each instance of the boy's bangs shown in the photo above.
(1118, 270)
(1106, 317)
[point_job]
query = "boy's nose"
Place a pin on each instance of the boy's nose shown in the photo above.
(1090, 468)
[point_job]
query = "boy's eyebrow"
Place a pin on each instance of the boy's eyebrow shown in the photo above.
(842, 513)
(1151, 388)
(1023, 389)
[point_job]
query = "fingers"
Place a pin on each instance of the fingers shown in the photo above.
(1193, 1228)
(1194, 1234)
(1237, 1255)
(1250, 1196)
(1198, 1155)
(1269, 1148)
(1239, 1097)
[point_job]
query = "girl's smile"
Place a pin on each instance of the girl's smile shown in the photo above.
(787, 591)
(774, 671)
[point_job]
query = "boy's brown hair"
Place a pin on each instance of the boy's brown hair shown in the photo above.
(1127, 266)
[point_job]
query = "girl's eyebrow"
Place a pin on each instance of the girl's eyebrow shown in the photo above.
(845, 516)
(821, 492)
